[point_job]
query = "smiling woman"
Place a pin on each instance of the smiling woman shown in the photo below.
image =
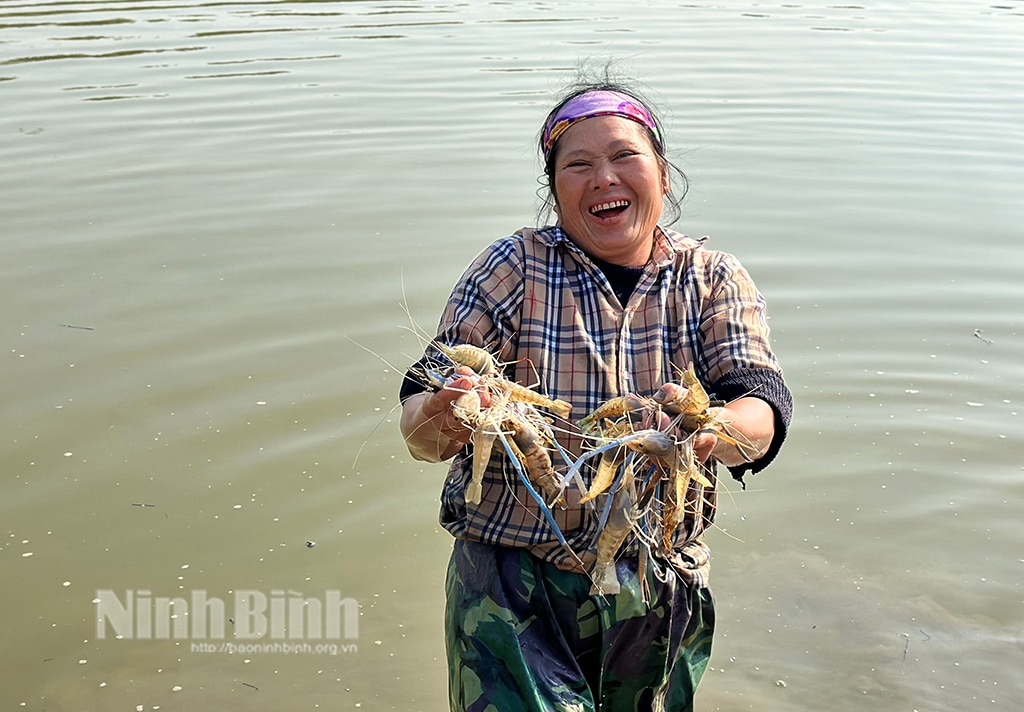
(603, 304)
(608, 189)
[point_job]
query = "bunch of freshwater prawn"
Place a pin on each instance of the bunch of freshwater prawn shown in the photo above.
(643, 476)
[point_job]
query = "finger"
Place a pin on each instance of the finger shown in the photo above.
(454, 389)
(656, 420)
(439, 405)
(463, 379)
(455, 429)
(468, 380)
(485, 398)
(668, 392)
(703, 444)
(436, 405)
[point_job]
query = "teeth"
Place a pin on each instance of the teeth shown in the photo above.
(609, 206)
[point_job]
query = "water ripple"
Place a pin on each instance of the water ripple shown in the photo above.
(228, 240)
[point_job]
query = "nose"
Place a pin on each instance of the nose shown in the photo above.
(604, 175)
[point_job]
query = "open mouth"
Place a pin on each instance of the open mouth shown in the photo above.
(610, 209)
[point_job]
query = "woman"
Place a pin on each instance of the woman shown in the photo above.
(604, 303)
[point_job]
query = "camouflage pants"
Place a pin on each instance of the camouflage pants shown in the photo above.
(523, 636)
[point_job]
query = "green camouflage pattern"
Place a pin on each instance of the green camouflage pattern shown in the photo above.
(525, 636)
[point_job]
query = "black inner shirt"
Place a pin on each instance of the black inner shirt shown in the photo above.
(622, 279)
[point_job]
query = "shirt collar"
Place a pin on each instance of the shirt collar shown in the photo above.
(667, 243)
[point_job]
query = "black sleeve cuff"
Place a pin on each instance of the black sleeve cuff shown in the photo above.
(410, 384)
(768, 385)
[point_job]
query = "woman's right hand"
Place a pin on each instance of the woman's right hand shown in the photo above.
(433, 432)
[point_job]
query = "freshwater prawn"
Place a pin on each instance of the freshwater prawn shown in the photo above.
(614, 408)
(536, 458)
(693, 411)
(622, 518)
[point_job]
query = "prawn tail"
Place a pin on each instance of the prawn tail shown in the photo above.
(605, 579)
(483, 444)
(560, 408)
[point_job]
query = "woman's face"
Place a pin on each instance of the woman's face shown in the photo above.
(608, 187)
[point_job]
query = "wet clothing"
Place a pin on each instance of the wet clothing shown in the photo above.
(524, 636)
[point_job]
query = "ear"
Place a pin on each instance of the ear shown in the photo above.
(666, 181)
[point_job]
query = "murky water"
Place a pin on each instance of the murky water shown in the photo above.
(212, 212)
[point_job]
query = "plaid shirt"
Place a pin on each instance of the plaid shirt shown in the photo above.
(541, 304)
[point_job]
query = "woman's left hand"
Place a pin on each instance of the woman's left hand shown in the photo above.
(749, 420)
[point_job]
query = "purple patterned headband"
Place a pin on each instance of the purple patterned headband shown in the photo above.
(590, 104)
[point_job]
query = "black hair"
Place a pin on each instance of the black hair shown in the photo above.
(546, 192)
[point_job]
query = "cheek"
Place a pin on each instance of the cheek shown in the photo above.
(563, 193)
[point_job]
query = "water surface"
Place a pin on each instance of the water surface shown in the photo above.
(214, 212)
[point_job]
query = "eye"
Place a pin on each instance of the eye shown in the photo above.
(627, 153)
(576, 164)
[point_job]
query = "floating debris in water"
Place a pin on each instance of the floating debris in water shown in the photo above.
(977, 332)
